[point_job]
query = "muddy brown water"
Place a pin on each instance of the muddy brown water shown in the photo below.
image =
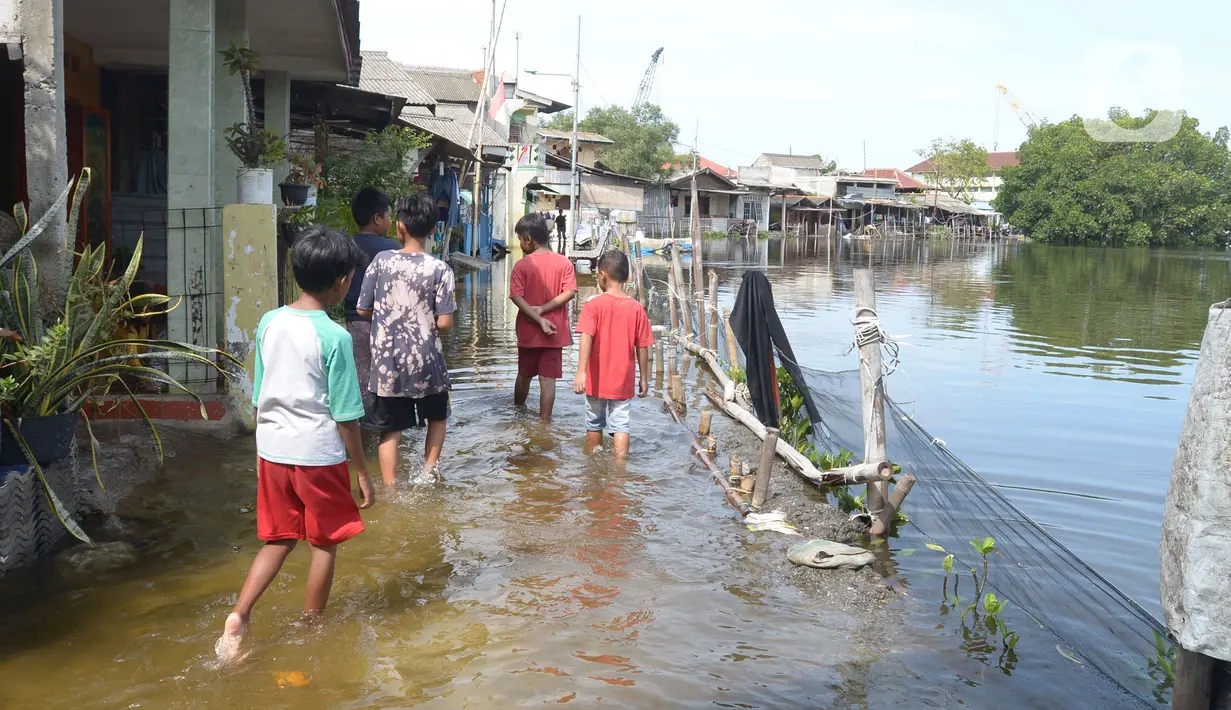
(534, 575)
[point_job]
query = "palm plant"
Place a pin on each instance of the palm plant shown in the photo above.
(59, 365)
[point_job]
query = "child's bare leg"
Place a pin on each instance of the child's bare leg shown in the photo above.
(387, 452)
(521, 390)
(594, 439)
(621, 444)
(263, 571)
(320, 578)
(547, 397)
(433, 443)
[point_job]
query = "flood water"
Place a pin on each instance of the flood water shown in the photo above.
(536, 575)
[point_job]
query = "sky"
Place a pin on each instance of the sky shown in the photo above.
(880, 78)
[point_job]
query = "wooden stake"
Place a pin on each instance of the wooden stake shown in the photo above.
(732, 346)
(701, 330)
(1194, 680)
(680, 290)
(672, 288)
(872, 392)
(761, 491)
(712, 313)
(658, 357)
(707, 418)
(734, 465)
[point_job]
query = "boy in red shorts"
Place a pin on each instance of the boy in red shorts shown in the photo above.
(615, 340)
(543, 283)
(308, 406)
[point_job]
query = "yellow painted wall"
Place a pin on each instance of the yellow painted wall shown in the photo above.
(81, 74)
(250, 258)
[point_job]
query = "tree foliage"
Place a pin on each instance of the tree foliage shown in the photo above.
(960, 165)
(381, 161)
(643, 137)
(831, 166)
(1072, 189)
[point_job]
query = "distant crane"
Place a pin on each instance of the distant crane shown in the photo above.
(647, 81)
(1023, 114)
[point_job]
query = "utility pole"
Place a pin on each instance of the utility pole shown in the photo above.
(488, 65)
(575, 191)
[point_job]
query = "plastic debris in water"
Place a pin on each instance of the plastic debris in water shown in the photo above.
(1063, 652)
(291, 679)
(775, 521)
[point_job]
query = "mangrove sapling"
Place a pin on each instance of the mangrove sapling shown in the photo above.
(1162, 667)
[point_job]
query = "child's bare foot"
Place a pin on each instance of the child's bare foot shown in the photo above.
(229, 647)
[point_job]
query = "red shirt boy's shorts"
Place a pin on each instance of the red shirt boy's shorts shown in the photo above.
(541, 362)
(306, 502)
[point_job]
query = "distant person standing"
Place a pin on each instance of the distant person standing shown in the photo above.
(542, 285)
(561, 225)
(373, 212)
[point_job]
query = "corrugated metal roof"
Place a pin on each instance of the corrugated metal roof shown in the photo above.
(905, 182)
(796, 161)
(454, 86)
(582, 136)
(452, 123)
(382, 75)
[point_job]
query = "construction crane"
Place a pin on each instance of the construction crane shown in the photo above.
(1023, 114)
(647, 81)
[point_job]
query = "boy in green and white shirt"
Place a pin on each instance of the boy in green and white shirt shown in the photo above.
(308, 405)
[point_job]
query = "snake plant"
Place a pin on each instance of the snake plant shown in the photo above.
(59, 364)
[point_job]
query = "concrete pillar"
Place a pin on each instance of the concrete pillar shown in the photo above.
(250, 244)
(42, 27)
(230, 25)
(278, 115)
(191, 138)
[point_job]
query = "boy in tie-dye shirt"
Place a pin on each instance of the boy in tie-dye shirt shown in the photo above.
(409, 295)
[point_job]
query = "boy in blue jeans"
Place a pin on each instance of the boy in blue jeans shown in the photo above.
(308, 406)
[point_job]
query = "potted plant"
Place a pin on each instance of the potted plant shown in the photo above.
(256, 148)
(302, 181)
(50, 370)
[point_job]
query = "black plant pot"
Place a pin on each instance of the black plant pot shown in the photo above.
(50, 439)
(294, 195)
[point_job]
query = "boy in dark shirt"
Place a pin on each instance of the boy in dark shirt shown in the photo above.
(373, 212)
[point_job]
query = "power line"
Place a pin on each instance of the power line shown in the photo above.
(594, 84)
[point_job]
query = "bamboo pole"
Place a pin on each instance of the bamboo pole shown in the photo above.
(746, 481)
(760, 491)
(701, 330)
(734, 466)
(677, 387)
(680, 291)
(672, 287)
(658, 357)
(857, 474)
(894, 504)
(712, 313)
(707, 419)
(872, 393)
(732, 346)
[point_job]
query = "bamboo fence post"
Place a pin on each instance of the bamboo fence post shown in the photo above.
(672, 285)
(732, 346)
(734, 466)
(761, 490)
(658, 357)
(677, 387)
(701, 330)
(871, 386)
(680, 291)
(707, 420)
(712, 313)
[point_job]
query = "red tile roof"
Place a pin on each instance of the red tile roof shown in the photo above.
(905, 182)
(995, 161)
(704, 163)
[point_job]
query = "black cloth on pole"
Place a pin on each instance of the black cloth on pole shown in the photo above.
(757, 329)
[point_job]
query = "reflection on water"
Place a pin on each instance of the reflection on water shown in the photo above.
(538, 575)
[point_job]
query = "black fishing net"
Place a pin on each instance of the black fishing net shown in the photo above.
(951, 504)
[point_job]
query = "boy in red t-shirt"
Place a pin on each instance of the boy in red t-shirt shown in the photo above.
(614, 329)
(542, 285)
